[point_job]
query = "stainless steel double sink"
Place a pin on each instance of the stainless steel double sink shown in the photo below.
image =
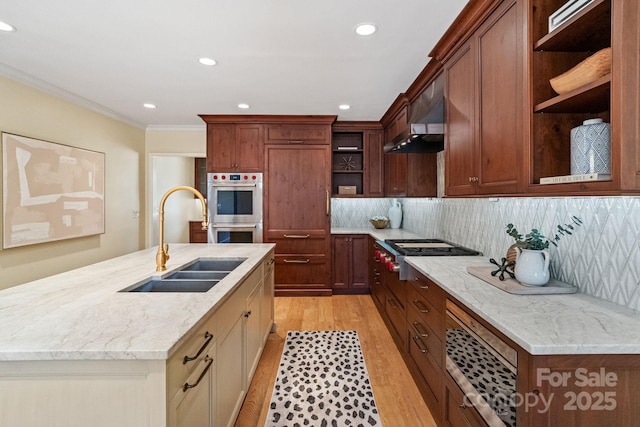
(197, 276)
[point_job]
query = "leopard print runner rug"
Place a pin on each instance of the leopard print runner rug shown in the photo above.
(322, 382)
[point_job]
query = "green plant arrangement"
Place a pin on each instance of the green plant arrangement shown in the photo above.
(537, 241)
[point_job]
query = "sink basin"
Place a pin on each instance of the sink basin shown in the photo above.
(214, 264)
(198, 275)
(168, 285)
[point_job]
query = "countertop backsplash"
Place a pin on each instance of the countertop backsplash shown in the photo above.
(602, 258)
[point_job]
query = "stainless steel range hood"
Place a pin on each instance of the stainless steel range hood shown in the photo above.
(425, 131)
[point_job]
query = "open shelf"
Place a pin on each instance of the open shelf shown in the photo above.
(591, 98)
(587, 30)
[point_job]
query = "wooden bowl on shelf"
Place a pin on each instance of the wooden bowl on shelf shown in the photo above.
(592, 68)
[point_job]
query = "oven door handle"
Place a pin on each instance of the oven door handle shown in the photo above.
(235, 225)
(231, 187)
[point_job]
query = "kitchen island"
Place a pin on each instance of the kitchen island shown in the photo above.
(75, 351)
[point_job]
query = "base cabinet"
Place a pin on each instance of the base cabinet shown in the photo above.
(573, 390)
(349, 256)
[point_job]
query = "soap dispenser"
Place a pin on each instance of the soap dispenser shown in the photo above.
(395, 214)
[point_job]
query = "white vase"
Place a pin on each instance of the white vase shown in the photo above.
(591, 148)
(395, 214)
(532, 267)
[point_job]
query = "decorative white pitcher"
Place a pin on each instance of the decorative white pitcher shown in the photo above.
(532, 266)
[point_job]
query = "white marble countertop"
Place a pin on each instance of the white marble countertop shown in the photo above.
(380, 234)
(540, 324)
(80, 315)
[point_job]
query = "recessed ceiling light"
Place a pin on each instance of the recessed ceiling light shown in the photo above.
(149, 105)
(243, 106)
(6, 27)
(365, 29)
(207, 61)
(344, 106)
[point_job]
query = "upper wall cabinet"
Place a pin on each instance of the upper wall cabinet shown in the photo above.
(508, 130)
(357, 159)
(614, 97)
(234, 147)
(485, 107)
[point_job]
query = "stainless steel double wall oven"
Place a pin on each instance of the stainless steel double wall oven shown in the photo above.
(235, 207)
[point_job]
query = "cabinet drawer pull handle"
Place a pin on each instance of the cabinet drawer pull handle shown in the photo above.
(271, 261)
(418, 328)
(420, 306)
(425, 287)
(207, 337)
(208, 361)
(247, 314)
(392, 303)
(462, 406)
(297, 261)
(421, 346)
(294, 141)
(296, 236)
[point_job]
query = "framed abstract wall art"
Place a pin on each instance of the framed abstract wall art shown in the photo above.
(50, 191)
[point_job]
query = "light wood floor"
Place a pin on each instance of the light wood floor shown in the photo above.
(397, 396)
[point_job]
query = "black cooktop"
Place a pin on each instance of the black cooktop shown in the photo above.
(429, 247)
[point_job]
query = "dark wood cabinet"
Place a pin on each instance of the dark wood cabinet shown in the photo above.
(613, 97)
(298, 134)
(407, 175)
(233, 147)
(196, 233)
(582, 400)
(357, 159)
(373, 163)
(297, 217)
(376, 284)
(350, 266)
(485, 106)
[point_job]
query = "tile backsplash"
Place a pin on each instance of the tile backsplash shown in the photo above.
(602, 258)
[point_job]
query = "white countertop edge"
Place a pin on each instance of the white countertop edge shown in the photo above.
(540, 324)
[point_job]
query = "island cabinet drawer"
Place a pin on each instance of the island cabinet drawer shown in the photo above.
(428, 289)
(421, 350)
(298, 241)
(424, 311)
(298, 134)
(184, 361)
(424, 337)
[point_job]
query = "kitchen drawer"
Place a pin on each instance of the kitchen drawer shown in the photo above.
(429, 369)
(420, 306)
(456, 412)
(301, 271)
(298, 241)
(428, 339)
(178, 370)
(298, 134)
(397, 287)
(428, 289)
(377, 290)
(395, 313)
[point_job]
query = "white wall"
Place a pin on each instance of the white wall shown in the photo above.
(32, 113)
(169, 172)
(177, 147)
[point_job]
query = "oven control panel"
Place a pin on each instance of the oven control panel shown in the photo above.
(235, 178)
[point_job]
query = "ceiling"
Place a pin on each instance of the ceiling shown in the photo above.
(278, 56)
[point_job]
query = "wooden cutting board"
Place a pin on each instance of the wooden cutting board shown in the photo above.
(514, 287)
